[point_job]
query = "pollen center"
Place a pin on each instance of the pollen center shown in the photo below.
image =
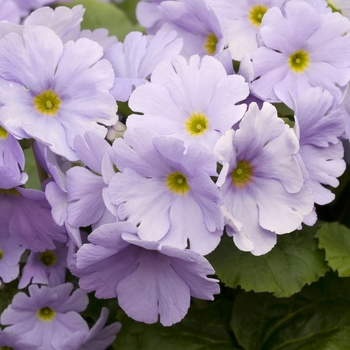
(3, 133)
(48, 258)
(197, 124)
(299, 61)
(47, 103)
(1, 254)
(210, 44)
(5, 348)
(177, 183)
(242, 174)
(256, 14)
(46, 314)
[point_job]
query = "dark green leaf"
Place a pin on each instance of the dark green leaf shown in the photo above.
(7, 292)
(335, 239)
(317, 318)
(283, 110)
(292, 263)
(205, 327)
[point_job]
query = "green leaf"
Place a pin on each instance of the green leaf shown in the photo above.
(205, 327)
(31, 169)
(283, 109)
(317, 318)
(292, 263)
(7, 292)
(105, 15)
(335, 240)
(129, 7)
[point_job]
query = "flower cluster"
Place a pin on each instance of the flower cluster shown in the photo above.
(131, 202)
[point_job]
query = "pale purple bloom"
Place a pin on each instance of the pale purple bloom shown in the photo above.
(11, 161)
(10, 253)
(9, 11)
(320, 5)
(261, 181)
(149, 279)
(27, 5)
(65, 22)
(134, 60)
(55, 188)
(304, 49)
(63, 91)
(345, 105)
(241, 21)
(88, 202)
(196, 23)
(98, 338)
(319, 126)
(47, 267)
(28, 216)
(58, 200)
(166, 191)
(100, 36)
(10, 340)
(194, 101)
(246, 70)
(47, 315)
(149, 16)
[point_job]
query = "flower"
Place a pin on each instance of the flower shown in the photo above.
(194, 101)
(88, 203)
(166, 191)
(319, 126)
(10, 254)
(47, 267)
(11, 161)
(27, 214)
(47, 315)
(10, 340)
(304, 49)
(261, 181)
(65, 22)
(55, 91)
(148, 278)
(241, 21)
(196, 23)
(9, 11)
(134, 60)
(98, 337)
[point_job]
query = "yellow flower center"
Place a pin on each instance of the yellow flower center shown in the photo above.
(197, 124)
(47, 103)
(48, 258)
(242, 175)
(46, 314)
(3, 133)
(177, 183)
(299, 61)
(256, 14)
(1, 254)
(5, 348)
(210, 44)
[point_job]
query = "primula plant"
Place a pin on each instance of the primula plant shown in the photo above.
(173, 174)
